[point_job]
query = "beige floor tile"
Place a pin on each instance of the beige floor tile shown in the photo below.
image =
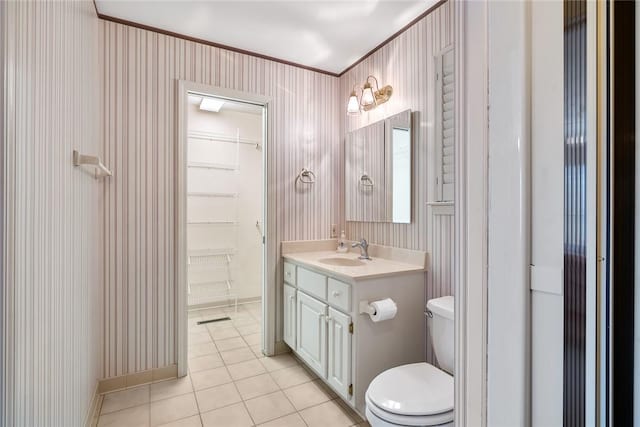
(236, 356)
(218, 326)
(281, 361)
(244, 321)
(230, 343)
(253, 339)
(198, 350)
(326, 414)
(202, 363)
(246, 369)
(172, 409)
(125, 399)
(199, 338)
(257, 350)
(308, 394)
(256, 386)
(193, 421)
(293, 420)
(294, 375)
(217, 397)
(269, 407)
(212, 313)
(253, 328)
(351, 413)
(138, 416)
(229, 416)
(221, 334)
(169, 388)
(210, 378)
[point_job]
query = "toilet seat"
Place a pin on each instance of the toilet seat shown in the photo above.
(406, 420)
(417, 394)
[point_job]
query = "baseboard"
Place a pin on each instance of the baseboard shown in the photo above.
(91, 419)
(281, 348)
(137, 378)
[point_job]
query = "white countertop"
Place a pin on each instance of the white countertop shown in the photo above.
(377, 267)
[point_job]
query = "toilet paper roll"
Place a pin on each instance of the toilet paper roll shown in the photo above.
(385, 309)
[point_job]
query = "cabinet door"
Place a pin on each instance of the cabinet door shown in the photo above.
(290, 316)
(312, 332)
(339, 352)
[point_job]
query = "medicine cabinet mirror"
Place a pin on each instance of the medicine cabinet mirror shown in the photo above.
(378, 165)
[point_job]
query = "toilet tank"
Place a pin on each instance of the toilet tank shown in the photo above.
(440, 324)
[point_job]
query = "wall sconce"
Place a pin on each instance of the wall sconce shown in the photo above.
(369, 99)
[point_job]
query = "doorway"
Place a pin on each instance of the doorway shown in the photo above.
(221, 165)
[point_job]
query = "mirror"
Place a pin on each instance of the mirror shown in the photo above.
(378, 171)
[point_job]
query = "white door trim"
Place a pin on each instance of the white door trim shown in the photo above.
(269, 249)
(471, 168)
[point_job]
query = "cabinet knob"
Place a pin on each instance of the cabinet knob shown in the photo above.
(335, 293)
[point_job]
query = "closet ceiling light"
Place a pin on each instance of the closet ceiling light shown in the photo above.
(211, 104)
(369, 98)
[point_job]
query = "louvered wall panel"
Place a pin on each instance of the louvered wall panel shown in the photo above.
(52, 224)
(142, 70)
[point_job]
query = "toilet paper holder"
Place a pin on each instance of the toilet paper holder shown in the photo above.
(366, 308)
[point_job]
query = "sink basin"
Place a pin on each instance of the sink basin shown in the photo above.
(342, 262)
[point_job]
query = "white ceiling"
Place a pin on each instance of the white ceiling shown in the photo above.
(328, 35)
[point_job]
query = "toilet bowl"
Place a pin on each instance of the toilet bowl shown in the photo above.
(418, 394)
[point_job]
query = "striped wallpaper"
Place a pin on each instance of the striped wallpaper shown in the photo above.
(52, 225)
(139, 92)
(407, 64)
(134, 210)
(307, 124)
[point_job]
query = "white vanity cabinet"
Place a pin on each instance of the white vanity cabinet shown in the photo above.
(339, 352)
(311, 328)
(346, 349)
(289, 318)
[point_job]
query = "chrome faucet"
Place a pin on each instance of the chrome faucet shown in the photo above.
(364, 249)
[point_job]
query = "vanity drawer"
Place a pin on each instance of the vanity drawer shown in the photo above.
(290, 273)
(339, 295)
(312, 283)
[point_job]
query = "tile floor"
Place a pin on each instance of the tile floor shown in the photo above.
(230, 384)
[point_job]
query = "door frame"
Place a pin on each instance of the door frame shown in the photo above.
(268, 220)
(471, 213)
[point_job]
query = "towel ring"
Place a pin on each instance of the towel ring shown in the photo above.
(306, 176)
(366, 180)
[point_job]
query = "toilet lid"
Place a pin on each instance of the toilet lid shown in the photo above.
(415, 389)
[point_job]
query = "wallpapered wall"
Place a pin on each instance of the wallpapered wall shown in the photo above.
(142, 70)
(51, 212)
(307, 126)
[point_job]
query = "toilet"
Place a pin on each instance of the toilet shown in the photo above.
(418, 394)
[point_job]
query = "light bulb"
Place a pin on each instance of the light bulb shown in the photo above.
(367, 96)
(353, 107)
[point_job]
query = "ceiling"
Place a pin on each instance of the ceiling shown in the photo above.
(326, 35)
